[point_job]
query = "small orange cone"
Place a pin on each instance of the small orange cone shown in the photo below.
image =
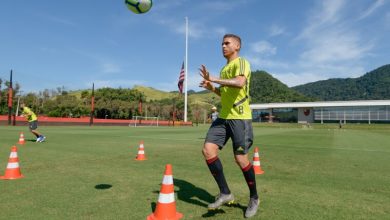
(141, 152)
(256, 162)
(12, 171)
(166, 205)
(21, 138)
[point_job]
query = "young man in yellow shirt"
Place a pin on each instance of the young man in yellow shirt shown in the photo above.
(32, 122)
(234, 121)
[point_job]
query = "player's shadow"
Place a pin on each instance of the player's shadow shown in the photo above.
(103, 186)
(190, 193)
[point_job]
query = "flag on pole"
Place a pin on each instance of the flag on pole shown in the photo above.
(181, 79)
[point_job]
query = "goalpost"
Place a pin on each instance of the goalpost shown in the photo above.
(144, 121)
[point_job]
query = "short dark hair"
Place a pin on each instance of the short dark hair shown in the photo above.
(233, 36)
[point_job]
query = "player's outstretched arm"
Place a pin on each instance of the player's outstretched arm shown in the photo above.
(238, 81)
(206, 82)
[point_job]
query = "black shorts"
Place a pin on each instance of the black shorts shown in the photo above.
(239, 130)
(33, 125)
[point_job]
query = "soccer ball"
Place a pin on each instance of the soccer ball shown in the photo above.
(139, 6)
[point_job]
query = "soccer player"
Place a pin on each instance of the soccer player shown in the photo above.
(32, 122)
(234, 121)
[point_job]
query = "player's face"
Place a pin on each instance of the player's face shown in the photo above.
(230, 47)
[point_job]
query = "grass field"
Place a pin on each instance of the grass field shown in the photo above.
(90, 173)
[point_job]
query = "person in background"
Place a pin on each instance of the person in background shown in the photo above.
(214, 114)
(32, 122)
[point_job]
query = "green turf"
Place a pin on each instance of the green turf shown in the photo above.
(90, 173)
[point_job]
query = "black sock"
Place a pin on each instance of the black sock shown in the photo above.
(216, 170)
(250, 178)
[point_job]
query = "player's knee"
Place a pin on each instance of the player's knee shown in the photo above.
(242, 160)
(203, 151)
(206, 152)
(209, 151)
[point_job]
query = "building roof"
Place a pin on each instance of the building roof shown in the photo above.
(321, 104)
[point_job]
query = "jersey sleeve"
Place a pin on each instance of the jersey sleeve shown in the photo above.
(242, 68)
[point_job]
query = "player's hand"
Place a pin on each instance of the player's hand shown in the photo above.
(207, 85)
(205, 74)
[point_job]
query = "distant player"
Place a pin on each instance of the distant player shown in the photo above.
(214, 114)
(234, 121)
(32, 122)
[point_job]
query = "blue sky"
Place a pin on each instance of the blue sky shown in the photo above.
(73, 43)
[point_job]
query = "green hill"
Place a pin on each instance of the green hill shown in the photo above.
(374, 85)
(203, 99)
(264, 89)
(154, 94)
(267, 89)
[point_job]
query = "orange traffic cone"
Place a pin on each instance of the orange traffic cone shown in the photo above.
(166, 205)
(256, 162)
(13, 170)
(141, 152)
(21, 138)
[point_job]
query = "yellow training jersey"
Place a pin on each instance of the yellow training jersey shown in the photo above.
(235, 101)
(30, 115)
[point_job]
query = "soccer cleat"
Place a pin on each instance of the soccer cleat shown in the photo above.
(42, 138)
(253, 205)
(39, 139)
(220, 200)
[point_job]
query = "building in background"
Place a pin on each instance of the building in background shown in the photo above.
(363, 111)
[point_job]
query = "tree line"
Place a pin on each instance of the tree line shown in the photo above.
(124, 103)
(112, 103)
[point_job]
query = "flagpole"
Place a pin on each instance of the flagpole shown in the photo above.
(186, 73)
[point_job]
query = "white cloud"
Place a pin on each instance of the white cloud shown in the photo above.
(372, 8)
(323, 16)
(194, 29)
(58, 20)
(335, 46)
(109, 67)
(105, 65)
(328, 40)
(293, 79)
(387, 19)
(330, 12)
(263, 47)
(309, 74)
(332, 47)
(276, 30)
(258, 63)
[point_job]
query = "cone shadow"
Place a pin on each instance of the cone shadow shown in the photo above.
(153, 206)
(190, 193)
(103, 186)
